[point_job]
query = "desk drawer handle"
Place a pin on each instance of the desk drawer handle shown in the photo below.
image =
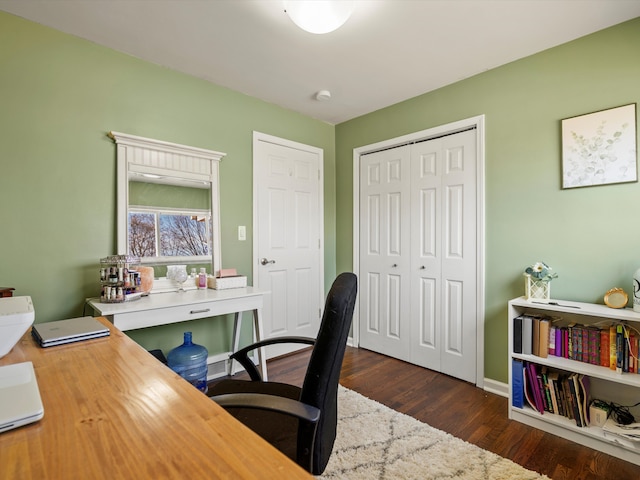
(204, 310)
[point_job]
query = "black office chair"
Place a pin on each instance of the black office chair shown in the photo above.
(300, 422)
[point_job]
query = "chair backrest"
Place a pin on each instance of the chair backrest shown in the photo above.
(320, 386)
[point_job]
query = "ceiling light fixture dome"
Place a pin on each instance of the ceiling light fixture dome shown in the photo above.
(319, 16)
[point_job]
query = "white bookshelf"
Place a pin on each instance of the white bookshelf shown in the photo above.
(606, 384)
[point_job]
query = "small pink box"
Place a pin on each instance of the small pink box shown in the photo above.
(228, 272)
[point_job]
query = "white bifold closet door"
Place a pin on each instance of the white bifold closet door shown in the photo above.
(418, 253)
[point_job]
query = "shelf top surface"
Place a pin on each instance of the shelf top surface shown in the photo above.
(578, 308)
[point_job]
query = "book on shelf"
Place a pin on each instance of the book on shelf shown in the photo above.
(585, 396)
(527, 334)
(543, 380)
(619, 347)
(517, 334)
(535, 336)
(517, 386)
(576, 404)
(552, 380)
(604, 347)
(543, 342)
(633, 353)
(547, 390)
(568, 400)
(533, 384)
(614, 346)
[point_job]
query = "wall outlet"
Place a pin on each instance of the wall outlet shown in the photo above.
(242, 232)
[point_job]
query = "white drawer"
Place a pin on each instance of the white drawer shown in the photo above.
(165, 315)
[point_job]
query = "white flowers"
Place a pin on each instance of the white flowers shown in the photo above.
(540, 271)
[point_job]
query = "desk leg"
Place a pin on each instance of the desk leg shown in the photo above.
(262, 358)
(237, 324)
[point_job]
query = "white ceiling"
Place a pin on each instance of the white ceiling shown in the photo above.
(388, 51)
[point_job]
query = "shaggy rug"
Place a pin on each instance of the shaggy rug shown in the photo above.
(376, 442)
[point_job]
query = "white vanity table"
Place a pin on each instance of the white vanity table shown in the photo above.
(172, 307)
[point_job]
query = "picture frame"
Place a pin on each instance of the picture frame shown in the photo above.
(599, 148)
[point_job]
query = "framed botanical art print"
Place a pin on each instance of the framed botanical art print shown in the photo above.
(600, 148)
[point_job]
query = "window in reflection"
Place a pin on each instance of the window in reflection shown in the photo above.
(169, 234)
(169, 222)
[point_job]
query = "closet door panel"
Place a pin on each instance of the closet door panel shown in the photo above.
(384, 260)
(459, 259)
(426, 219)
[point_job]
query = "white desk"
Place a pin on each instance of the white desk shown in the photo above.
(164, 308)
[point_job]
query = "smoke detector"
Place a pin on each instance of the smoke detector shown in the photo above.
(323, 95)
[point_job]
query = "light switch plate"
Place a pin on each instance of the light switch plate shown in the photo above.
(242, 232)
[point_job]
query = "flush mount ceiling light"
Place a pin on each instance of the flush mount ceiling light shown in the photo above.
(319, 16)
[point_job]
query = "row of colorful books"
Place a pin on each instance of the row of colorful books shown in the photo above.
(614, 346)
(547, 390)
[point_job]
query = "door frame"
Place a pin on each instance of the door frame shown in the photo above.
(476, 122)
(263, 137)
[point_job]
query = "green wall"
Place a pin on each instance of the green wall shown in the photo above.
(59, 97)
(588, 235)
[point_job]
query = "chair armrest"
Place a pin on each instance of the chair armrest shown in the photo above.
(242, 355)
(272, 403)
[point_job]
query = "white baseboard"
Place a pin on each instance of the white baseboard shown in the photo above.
(499, 388)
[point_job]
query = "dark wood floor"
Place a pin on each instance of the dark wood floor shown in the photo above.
(463, 410)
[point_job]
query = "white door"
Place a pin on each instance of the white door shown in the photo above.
(418, 253)
(443, 259)
(288, 237)
(385, 252)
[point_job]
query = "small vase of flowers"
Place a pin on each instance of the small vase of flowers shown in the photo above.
(537, 282)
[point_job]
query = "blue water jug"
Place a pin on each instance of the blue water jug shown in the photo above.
(189, 360)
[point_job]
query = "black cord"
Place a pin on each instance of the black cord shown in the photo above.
(621, 413)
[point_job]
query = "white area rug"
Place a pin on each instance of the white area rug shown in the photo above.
(376, 442)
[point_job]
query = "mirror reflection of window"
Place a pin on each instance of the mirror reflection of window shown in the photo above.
(169, 221)
(182, 235)
(142, 234)
(165, 234)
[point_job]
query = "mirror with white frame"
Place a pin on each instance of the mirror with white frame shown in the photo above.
(168, 204)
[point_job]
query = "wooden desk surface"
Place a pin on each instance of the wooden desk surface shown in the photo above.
(113, 411)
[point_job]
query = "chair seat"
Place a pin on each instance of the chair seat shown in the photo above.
(300, 422)
(276, 428)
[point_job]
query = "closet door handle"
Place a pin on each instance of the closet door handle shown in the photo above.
(422, 267)
(394, 265)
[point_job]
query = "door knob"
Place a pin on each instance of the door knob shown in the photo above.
(394, 265)
(422, 267)
(264, 261)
